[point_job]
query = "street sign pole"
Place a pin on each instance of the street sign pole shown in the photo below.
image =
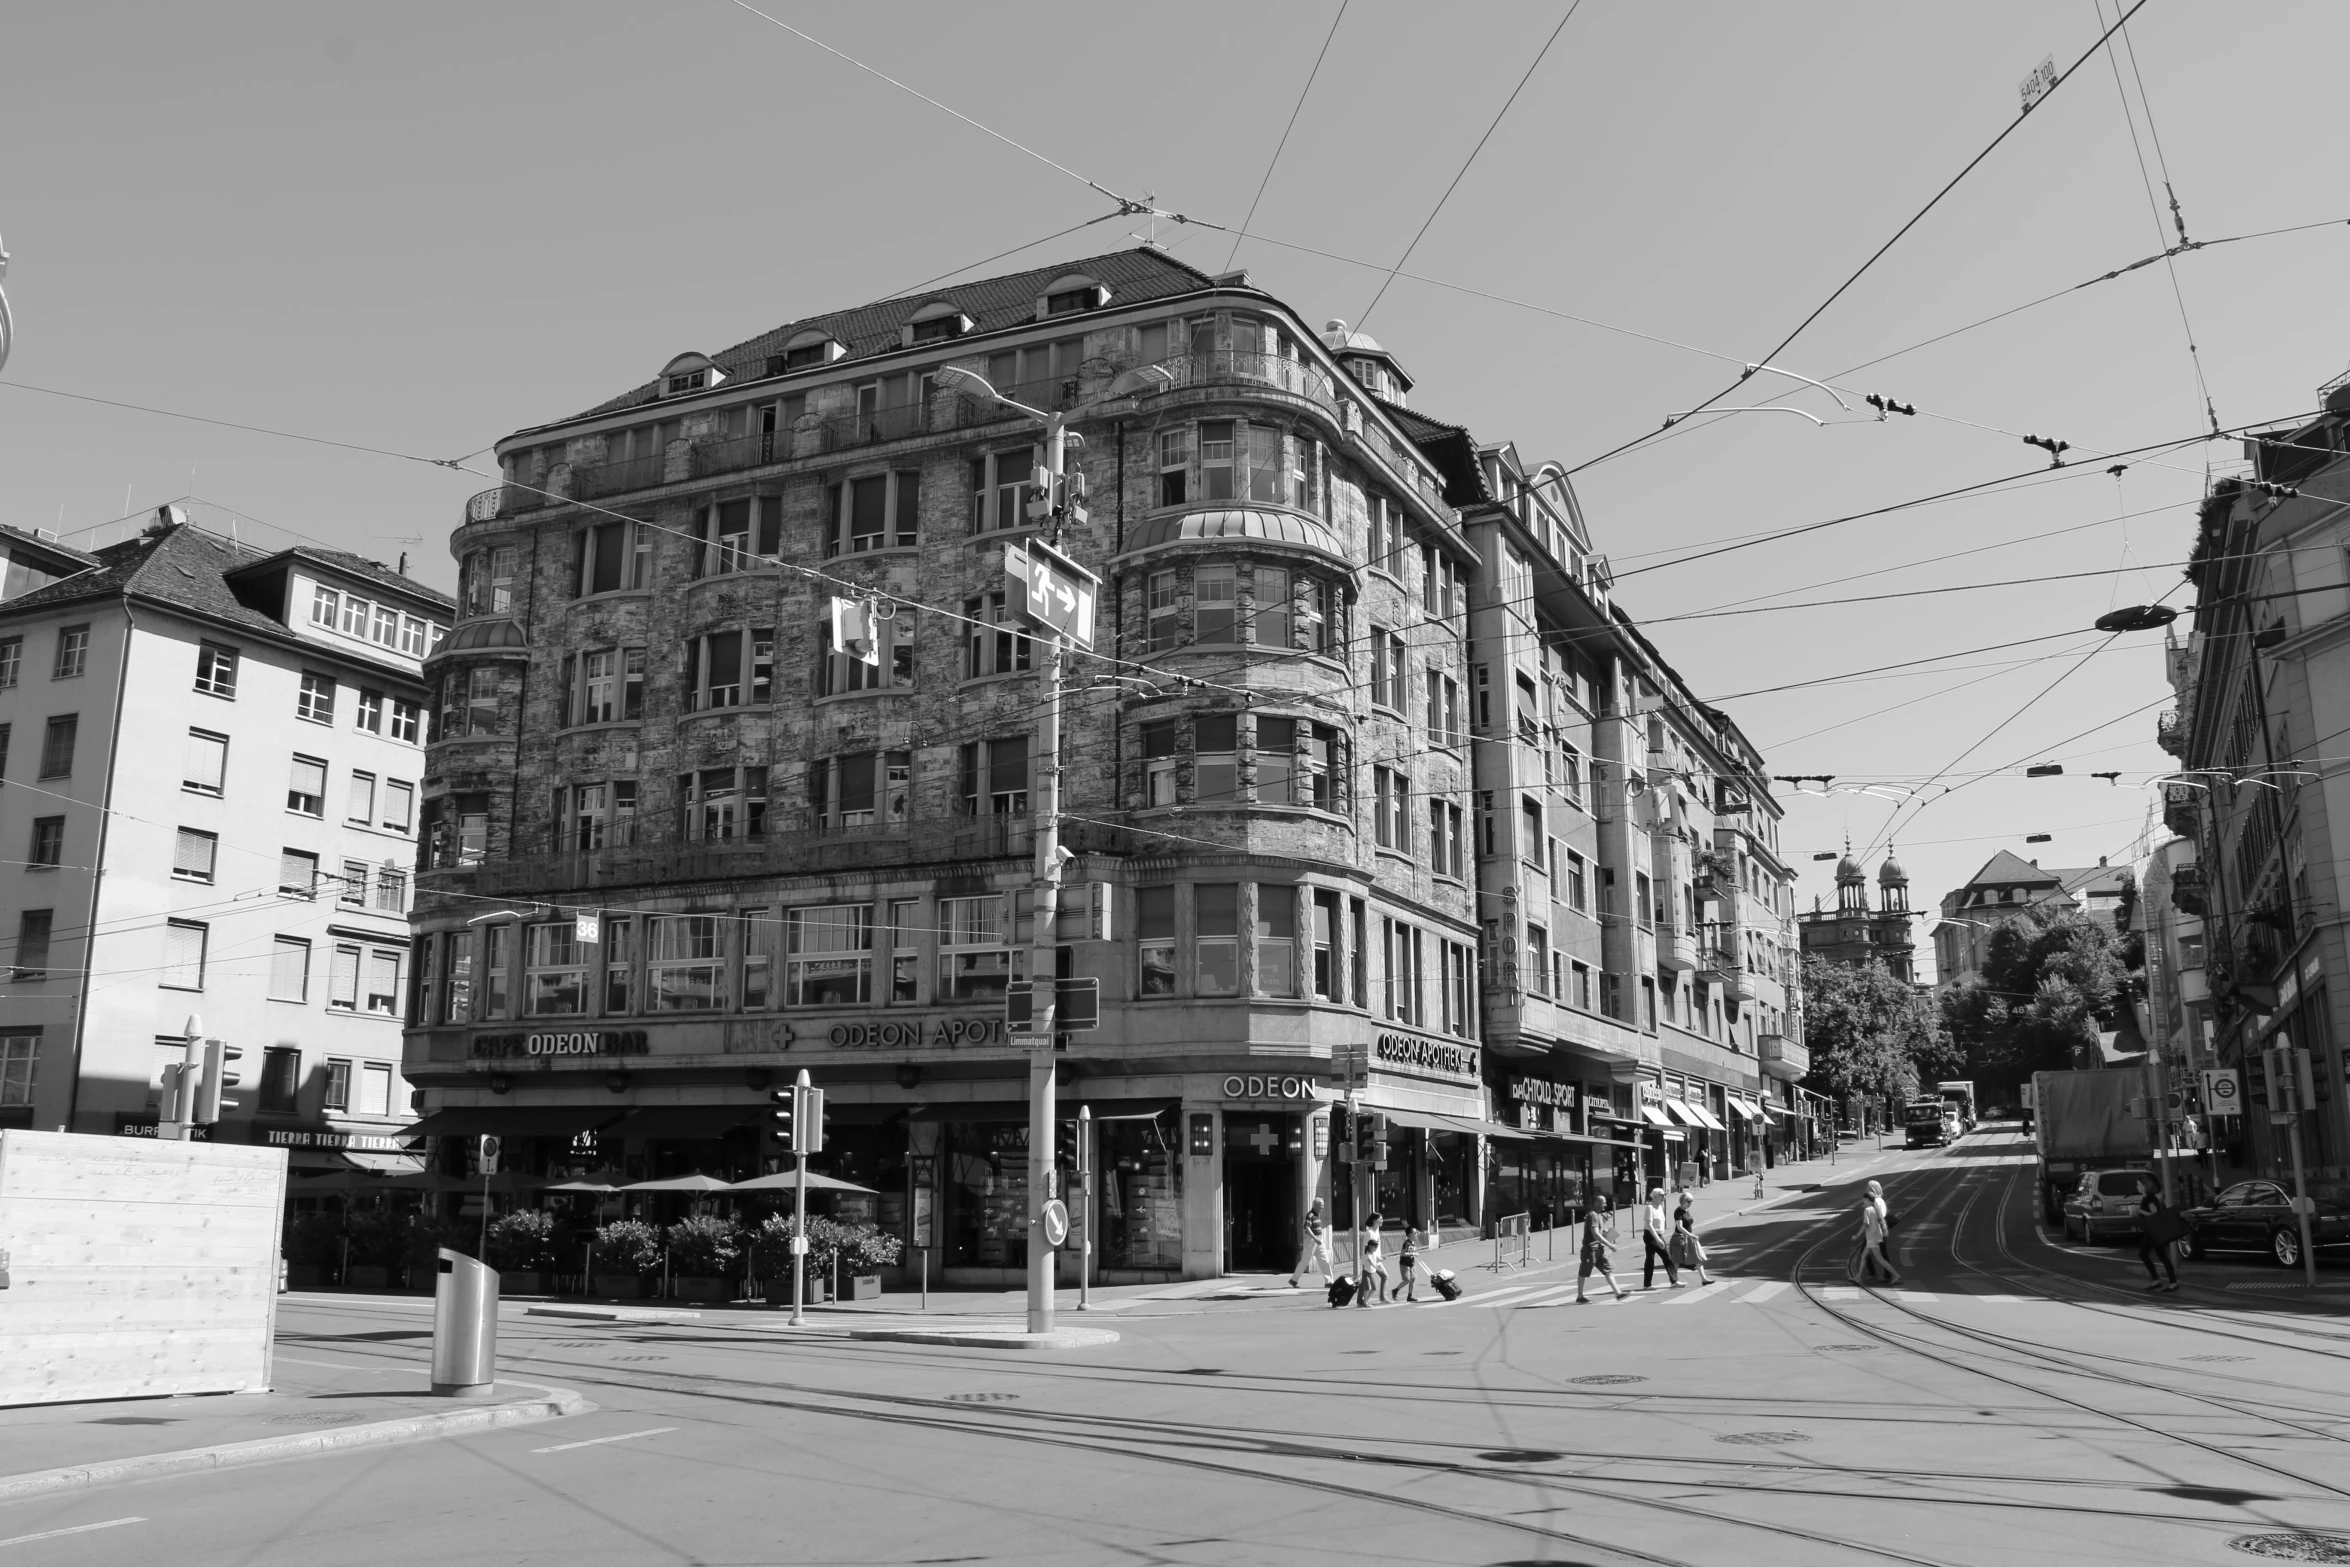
(799, 1201)
(1085, 1207)
(1044, 958)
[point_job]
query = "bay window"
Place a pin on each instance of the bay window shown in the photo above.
(1215, 592)
(555, 975)
(1276, 940)
(1154, 930)
(1158, 762)
(1271, 620)
(828, 958)
(975, 960)
(1174, 467)
(1319, 786)
(1326, 946)
(1216, 758)
(685, 968)
(1216, 938)
(1163, 610)
(1216, 461)
(1276, 753)
(1267, 473)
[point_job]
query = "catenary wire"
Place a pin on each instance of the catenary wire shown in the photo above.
(1282, 145)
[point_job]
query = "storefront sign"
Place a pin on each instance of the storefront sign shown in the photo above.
(938, 1033)
(131, 1126)
(1542, 1091)
(1255, 1087)
(583, 1042)
(371, 1142)
(1652, 1092)
(1429, 1057)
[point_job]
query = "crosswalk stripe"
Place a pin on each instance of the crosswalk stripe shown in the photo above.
(1762, 1292)
(1840, 1292)
(1503, 1297)
(1549, 1297)
(1702, 1292)
(1918, 1295)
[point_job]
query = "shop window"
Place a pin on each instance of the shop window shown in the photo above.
(861, 789)
(759, 929)
(1325, 936)
(1000, 485)
(619, 964)
(992, 777)
(1216, 758)
(685, 969)
(1276, 940)
(1216, 938)
(1174, 467)
(721, 804)
(1154, 931)
(905, 933)
(975, 959)
(995, 646)
(829, 956)
(1158, 762)
(1163, 610)
(555, 971)
(497, 970)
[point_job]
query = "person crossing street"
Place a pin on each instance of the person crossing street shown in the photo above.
(1655, 1242)
(1315, 1248)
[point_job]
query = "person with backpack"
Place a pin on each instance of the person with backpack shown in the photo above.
(1599, 1240)
(1690, 1251)
(1316, 1248)
(1655, 1234)
(2160, 1228)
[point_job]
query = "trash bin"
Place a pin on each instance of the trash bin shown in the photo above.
(464, 1328)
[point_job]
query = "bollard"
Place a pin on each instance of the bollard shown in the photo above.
(464, 1328)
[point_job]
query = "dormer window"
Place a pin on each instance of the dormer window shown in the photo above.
(1069, 295)
(935, 323)
(689, 373)
(806, 350)
(694, 381)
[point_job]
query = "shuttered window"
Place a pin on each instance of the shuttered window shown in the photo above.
(193, 853)
(342, 991)
(183, 955)
(289, 970)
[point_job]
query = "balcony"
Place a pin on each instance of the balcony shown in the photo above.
(1675, 948)
(504, 501)
(1782, 1057)
(2182, 808)
(2170, 733)
(1233, 368)
(618, 478)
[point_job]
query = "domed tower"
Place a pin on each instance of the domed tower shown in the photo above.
(1852, 885)
(1892, 939)
(1892, 886)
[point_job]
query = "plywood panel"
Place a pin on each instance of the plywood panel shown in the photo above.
(139, 1268)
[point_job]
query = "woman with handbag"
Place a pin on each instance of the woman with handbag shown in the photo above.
(1599, 1239)
(1688, 1250)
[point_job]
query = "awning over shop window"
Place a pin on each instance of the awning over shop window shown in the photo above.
(1705, 1116)
(1491, 1129)
(1064, 1109)
(1682, 1113)
(512, 1121)
(1743, 1109)
(1654, 1116)
(685, 1121)
(1421, 1119)
(1128, 1109)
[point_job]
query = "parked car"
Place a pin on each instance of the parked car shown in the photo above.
(2258, 1216)
(2105, 1205)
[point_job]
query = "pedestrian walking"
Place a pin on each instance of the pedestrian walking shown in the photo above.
(1599, 1244)
(2160, 1228)
(1315, 1248)
(1408, 1261)
(1655, 1234)
(1758, 1175)
(1689, 1250)
(1374, 1270)
(1876, 1227)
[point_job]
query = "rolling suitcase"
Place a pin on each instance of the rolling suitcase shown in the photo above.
(1342, 1290)
(1443, 1280)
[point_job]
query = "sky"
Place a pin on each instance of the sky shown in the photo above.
(418, 228)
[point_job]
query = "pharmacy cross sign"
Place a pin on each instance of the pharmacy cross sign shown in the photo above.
(1264, 1139)
(1052, 590)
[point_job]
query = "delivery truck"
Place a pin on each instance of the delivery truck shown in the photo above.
(2086, 1121)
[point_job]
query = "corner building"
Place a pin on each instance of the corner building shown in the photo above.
(796, 859)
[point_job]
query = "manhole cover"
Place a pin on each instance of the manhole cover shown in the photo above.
(1607, 1379)
(2294, 1547)
(2219, 1359)
(312, 1420)
(1520, 1455)
(1763, 1438)
(1846, 1348)
(640, 1357)
(981, 1398)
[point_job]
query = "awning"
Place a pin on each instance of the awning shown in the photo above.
(512, 1121)
(685, 1121)
(1426, 1121)
(1654, 1116)
(1125, 1109)
(1743, 1110)
(1490, 1128)
(1064, 1109)
(1705, 1116)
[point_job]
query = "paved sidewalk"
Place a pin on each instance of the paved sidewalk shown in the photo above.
(315, 1406)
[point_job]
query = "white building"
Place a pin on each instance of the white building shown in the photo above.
(209, 766)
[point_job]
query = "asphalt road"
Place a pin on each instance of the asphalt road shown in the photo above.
(2014, 1401)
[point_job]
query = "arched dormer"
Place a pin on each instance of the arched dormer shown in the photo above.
(1071, 294)
(806, 350)
(689, 373)
(934, 323)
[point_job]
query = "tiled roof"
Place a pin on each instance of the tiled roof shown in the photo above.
(2004, 869)
(1132, 276)
(358, 566)
(1450, 447)
(49, 546)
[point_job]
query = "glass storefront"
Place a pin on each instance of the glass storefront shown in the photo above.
(1140, 1193)
(984, 1180)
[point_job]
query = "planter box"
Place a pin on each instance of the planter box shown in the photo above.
(625, 1286)
(366, 1278)
(304, 1275)
(778, 1290)
(702, 1289)
(519, 1282)
(865, 1286)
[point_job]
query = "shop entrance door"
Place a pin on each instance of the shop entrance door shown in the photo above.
(1260, 1191)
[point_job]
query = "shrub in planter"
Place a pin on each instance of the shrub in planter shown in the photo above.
(379, 1240)
(704, 1247)
(522, 1242)
(628, 1246)
(314, 1240)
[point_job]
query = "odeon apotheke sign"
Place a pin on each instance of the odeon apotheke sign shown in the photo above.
(1426, 1057)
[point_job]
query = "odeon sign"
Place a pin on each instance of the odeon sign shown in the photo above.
(583, 1042)
(944, 1033)
(1434, 1057)
(1251, 1086)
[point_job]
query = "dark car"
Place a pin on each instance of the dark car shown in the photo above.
(2258, 1216)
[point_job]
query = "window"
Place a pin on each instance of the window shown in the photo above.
(993, 777)
(1174, 467)
(1276, 939)
(618, 964)
(1271, 622)
(1385, 541)
(555, 976)
(1216, 945)
(1532, 840)
(57, 746)
(387, 626)
(11, 661)
(391, 888)
(206, 763)
(1313, 615)
(317, 701)
(1643, 903)
(351, 885)
(297, 873)
(1447, 853)
(375, 1088)
(216, 670)
(1215, 460)
(337, 1092)
(763, 667)
(905, 918)
(1537, 968)
(1319, 784)
(1276, 753)
(1163, 608)
(306, 787)
(1215, 593)
(1216, 758)
(481, 698)
(615, 556)
(759, 928)
(183, 954)
(829, 956)
(16, 1069)
(1401, 945)
(975, 962)
(369, 712)
(1391, 804)
(361, 811)
(999, 490)
(992, 651)
(1458, 981)
(1388, 669)
(193, 854)
(1154, 930)
(32, 944)
(325, 606)
(1158, 763)
(723, 803)
(289, 969)
(48, 842)
(686, 968)
(1267, 473)
(281, 1079)
(876, 511)
(416, 636)
(404, 715)
(73, 653)
(399, 805)
(1325, 936)
(1578, 894)
(357, 612)
(489, 585)
(862, 789)
(1580, 974)
(5, 730)
(726, 538)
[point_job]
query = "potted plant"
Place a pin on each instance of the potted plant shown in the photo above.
(703, 1250)
(771, 1260)
(312, 1248)
(426, 1236)
(865, 1250)
(379, 1240)
(626, 1250)
(522, 1249)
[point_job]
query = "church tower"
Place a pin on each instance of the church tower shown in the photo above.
(1896, 948)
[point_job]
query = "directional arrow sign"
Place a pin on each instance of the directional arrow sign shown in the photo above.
(1052, 590)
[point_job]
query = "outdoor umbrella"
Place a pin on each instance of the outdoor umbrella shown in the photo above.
(786, 1181)
(579, 1186)
(679, 1183)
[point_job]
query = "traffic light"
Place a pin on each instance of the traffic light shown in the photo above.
(174, 1100)
(787, 1101)
(1371, 1140)
(212, 1088)
(1342, 1131)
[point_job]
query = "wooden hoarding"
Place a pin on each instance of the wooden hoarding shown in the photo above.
(137, 1268)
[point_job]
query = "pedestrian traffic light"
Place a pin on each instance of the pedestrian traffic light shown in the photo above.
(786, 1101)
(1342, 1131)
(212, 1088)
(808, 1120)
(173, 1098)
(1371, 1140)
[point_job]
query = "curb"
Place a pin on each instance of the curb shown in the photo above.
(558, 1402)
(980, 1338)
(611, 1313)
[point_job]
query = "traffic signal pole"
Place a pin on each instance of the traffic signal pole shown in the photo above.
(1044, 957)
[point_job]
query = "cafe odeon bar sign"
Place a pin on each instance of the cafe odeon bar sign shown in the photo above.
(569, 1042)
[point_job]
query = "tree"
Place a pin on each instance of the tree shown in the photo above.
(1868, 1032)
(2052, 980)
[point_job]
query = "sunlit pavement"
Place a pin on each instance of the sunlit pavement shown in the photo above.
(2012, 1400)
